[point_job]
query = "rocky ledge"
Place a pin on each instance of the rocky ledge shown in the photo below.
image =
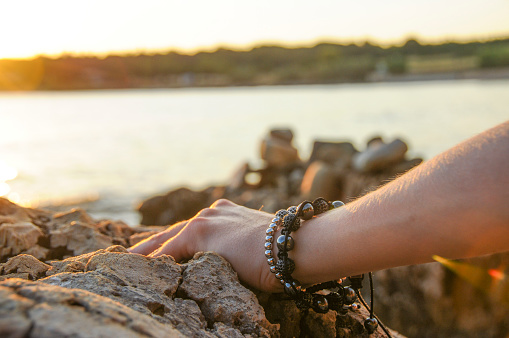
(64, 274)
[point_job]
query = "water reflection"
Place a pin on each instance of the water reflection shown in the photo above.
(7, 173)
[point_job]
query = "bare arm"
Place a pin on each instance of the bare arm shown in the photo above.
(453, 206)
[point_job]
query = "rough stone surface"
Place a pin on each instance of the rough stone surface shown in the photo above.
(34, 309)
(430, 298)
(25, 264)
(18, 237)
(204, 280)
(79, 238)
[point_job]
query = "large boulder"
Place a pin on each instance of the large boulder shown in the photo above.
(379, 156)
(175, 206)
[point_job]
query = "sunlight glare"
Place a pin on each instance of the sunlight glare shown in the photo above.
(4, 189)
(7, 172)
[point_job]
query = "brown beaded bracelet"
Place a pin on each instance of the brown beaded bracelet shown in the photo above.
(339, 298)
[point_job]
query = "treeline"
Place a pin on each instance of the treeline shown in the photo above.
(266, 65)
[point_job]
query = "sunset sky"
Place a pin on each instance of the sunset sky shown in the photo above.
(52, 27)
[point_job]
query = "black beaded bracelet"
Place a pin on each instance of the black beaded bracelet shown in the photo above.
(339, 298)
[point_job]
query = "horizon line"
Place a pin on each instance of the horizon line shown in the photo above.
(267, 43)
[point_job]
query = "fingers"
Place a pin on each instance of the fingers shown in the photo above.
(173, 241)
(152, 243)
(190, 240)
(176, 247)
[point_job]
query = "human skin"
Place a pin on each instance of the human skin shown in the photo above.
(454, 206)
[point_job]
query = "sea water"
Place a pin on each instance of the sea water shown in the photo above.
(121, 146)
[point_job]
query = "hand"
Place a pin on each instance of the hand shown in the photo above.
(234, 232)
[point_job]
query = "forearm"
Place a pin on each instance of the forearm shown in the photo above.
(452, 206)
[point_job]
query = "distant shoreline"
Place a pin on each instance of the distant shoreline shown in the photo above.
(324, 63)
(477, 74)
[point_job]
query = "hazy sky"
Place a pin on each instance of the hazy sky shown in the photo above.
(51, 27)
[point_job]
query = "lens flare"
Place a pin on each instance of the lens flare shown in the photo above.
(486, 280)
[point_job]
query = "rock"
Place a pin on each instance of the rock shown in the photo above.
(11, 213)
(78, 238)
(21, 275)
(204, 281)
(321, 325)
(284, 134)
(119, 232)
(332, 152)
(26, 264)
(78, 263)
(147, 285)
(76, 215)
(429, 298)
(112, 292)
(39, 252)
(278, 151)
(379, 156)
(35, 309)
(312, 324)
(175, 206)
(18, 237)
(320, 180)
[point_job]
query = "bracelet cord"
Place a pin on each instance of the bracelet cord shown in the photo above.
(331, 295)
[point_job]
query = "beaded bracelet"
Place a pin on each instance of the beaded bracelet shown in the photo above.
(339, 298)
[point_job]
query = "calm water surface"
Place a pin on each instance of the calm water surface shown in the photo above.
(121, 146)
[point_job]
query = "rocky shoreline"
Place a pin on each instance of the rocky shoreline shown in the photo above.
(67, 274)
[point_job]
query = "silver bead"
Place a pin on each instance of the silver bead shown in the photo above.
(307, 211)
(273, 225)
(268, 246)
(337, 204)
(268, 253)
(320, 304)
(269, 239)
(271, 261)
(349, 296)
(281, 243)
(282, 281)
(277, 220)
(279, 275)
(292, 288)
(354, 306)
(270, 231)
(273, 269)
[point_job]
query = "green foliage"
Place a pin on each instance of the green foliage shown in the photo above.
(323, 63)
(494, 56)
